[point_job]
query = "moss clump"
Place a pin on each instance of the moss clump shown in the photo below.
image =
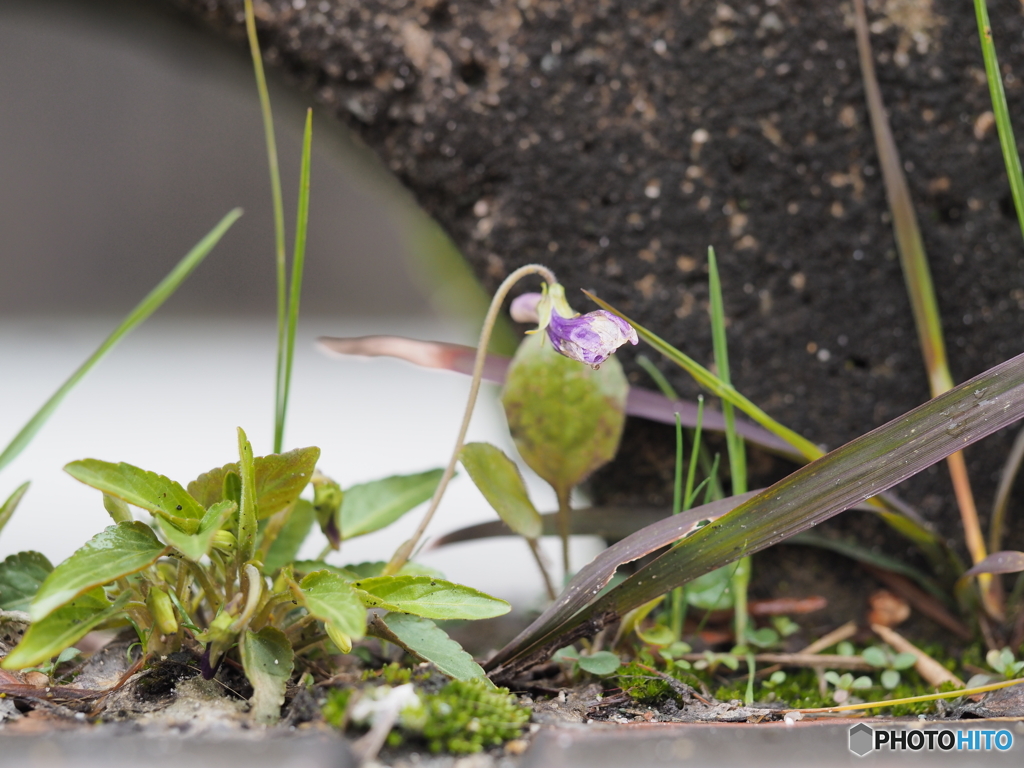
(467, 716)
(336, 705)
(392, 674)
(646, 688)
(463, 716)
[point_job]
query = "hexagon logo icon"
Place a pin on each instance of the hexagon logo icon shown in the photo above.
(862, 739)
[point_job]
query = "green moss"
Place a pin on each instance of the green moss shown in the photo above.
(646, 688)
(336, 705)
(392, 674)
(463, 716)
(468, 716)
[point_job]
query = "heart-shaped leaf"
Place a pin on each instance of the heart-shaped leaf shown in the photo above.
(147, 490)
(280, 478)
(117, 551)
(20, 578)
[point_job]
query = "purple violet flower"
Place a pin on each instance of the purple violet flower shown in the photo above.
(591, 338)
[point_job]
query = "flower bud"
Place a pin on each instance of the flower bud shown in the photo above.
(224, 541)
(340, 639)
(162, 611)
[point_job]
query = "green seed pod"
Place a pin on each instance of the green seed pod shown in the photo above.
(162, 610)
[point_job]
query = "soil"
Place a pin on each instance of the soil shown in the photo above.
(615, 141)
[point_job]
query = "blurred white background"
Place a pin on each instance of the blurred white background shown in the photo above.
(124, 136)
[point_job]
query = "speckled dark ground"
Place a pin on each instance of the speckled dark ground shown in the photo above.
(615, 140)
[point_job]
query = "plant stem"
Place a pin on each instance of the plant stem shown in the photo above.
(564, 527)
(403, 553)
(548, 584)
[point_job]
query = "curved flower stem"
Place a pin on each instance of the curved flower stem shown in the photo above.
(403, 553)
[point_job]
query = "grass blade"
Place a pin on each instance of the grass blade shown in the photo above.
(824, 488)
(717, 387)
(278, 204)
(1001, 110)
(146, 307)
(298, 263)
(897, 515)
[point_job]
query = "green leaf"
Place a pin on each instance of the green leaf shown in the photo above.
(196, 545)
(331, 599)
(371, 506)
(712, 591)
(12, 504)
(20, 577)
(147, 490)
(268, 660)
(247, 527)
(566, 418)
(501, 483)
(309, 566)
(428, 642)
(280, 478)
(63, 628)
(904, 660)
(146, 307)
(657, 635)
(117, 551)
(890, 679)
(290, 538)
(875, 656)
(427, 597)
(601, 663)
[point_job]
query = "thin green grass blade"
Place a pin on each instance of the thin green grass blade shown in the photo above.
(734, 443)
(278, 205)
(298, 264)
(898, 516)
(1001, 110)
(8, 507)
(717, 387)
(146, 307)
(740, 579)
(824, 488)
